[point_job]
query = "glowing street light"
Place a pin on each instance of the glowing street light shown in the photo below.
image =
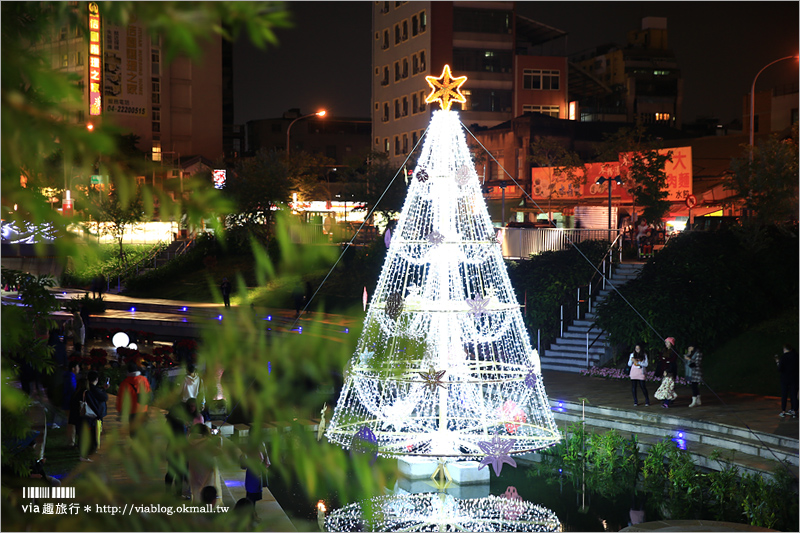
(289, 129)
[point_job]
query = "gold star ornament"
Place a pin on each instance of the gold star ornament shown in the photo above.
(445, 89)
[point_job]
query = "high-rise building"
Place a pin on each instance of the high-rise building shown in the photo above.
(175, 109)
(514, 64)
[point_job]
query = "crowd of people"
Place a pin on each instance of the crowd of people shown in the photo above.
(666, 368)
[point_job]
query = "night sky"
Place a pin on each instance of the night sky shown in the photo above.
(325, 60)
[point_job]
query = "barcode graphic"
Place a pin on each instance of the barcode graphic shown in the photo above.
(48, 492)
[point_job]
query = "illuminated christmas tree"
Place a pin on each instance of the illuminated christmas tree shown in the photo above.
(444, 367)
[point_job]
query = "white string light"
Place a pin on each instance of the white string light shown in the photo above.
(444, 302)
(442, 512)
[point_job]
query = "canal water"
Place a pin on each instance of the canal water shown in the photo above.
(577, 510)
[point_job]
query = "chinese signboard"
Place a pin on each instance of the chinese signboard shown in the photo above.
(124, 66)
(95, 68)
(547, 182)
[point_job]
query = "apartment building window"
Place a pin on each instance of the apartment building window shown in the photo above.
(385, 45)
(541, 80)
(405, 30)
(156, 119)
(396, 108)
(386, 111)
(549, 110)
(422, 103)
(423, 22)
(405, 67)
(385, 80)
(481, 20)
(422, 66)
(62, 34)
(396, 71)
(405, 143)
(385, 8)
(413, 139)
(156, 151)
(405, 106)
(414, 104)
(156, 85)
(397, 33)
(78, 59)
(386, 144)
(481, 60)
(64, 60)
(414, 25)
(414, 64)
(396, 145)
(487, 100)
(155, 61)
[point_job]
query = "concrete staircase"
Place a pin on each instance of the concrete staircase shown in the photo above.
(569, 353)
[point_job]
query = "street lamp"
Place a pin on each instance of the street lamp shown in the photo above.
(289, 129)
(753, 100)
(601, 181)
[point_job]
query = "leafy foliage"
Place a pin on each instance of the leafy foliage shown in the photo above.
(766, 180)
(551, 279)
(378, 183)
(646, 177)
(703, 287)
(563, 164)
(675, 487)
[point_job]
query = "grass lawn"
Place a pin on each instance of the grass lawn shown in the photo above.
(746, 363)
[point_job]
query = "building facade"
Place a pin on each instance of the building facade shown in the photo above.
(638, 82)
(514, 65)
(175, 109)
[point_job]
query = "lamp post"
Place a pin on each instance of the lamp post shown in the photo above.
(601, 181)
(753, 100)
(289, 129)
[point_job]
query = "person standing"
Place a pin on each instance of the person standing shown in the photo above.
(638, 362)
(225, 287)
(67, 392)
(86, 318)
(788, 369)
(78, 332)
(694, 372)
(133, 396)
(193, 388)
(667, 368)
(97, 398)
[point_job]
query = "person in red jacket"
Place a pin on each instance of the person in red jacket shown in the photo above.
(133, 396)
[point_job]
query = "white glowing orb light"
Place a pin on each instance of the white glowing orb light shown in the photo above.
(444, 366)
(442, 512)
(133, 346)
(120, 340)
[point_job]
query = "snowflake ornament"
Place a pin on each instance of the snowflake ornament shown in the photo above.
(496, 454)
(394, 305)
(462, 175)
(435, 238)
(433, 379)
(477, 306)
(422, 176)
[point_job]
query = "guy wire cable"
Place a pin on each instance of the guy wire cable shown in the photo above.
(347, 247)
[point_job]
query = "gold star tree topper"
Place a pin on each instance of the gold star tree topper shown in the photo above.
(445, 89)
